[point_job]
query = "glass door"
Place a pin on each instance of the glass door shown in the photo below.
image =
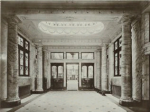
(87, 75)
(57, 74)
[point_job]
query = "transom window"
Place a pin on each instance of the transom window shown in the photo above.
(72, 55)
(23, 46)
(117, 56)
(57, 55)
(87, 55)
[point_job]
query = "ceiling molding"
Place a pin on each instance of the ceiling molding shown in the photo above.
(71, 47)
(71, 11)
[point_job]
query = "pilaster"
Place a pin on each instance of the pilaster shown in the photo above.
(104, 78)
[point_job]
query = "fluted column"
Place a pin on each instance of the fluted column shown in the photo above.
(126, 87)
(98, 68)
(12, 62)
(104, 79)
(136, 62)
(39, 73)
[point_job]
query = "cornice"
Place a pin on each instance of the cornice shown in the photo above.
(70, 47)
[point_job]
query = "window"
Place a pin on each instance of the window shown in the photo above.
(55, 55)
(72, 55)
(87, 55)
(23, 47)
(117, 56)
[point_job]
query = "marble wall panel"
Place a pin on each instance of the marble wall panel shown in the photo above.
(23, 81)
(4, 36)
(116, 81)
(32, 66)
(110, 64)
(145, 58)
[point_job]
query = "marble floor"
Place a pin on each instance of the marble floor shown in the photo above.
(69, 101)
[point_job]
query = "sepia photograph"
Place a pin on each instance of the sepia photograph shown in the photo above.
(75, 56)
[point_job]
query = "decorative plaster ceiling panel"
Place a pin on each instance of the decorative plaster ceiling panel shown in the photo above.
(71, 28)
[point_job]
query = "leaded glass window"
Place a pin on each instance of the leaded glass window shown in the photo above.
(72, 55)
(90, 71)
(23, 46)
(55, 55)
(89, 55)
(117, 56)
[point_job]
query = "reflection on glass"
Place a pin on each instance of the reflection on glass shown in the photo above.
(87, 55)
(72, 55)
(20, 41)
(26, 59)
(60, 71)
(26, 70)
(90, 71)
(84, 71)
(54, 71)
(57, 55)
(26, 45)
(21, 62)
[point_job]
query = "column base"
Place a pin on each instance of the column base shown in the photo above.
(127, 103)
(7, 104)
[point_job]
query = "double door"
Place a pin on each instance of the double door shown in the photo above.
(87, 75)
(57, 75)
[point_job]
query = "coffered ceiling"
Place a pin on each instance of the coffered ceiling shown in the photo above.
(65, 22)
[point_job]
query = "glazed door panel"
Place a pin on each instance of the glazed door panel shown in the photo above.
(87, 75)
(57, 75)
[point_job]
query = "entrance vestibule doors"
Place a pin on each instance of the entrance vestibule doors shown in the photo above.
(87, 75)
(57, 75)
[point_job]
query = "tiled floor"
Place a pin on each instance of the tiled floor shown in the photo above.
(71, 101)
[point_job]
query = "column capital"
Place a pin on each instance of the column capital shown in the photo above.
(13, 19)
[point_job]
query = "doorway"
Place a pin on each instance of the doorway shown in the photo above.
(72, 76)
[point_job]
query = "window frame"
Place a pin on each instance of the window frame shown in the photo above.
(22, 48)
(117, 51)
(56, 52)
(87, 52)
(72, 52)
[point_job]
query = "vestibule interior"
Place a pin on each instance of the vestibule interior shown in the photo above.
(49, 47)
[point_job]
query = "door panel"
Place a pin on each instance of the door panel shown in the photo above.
(57, 75)
(87, 75)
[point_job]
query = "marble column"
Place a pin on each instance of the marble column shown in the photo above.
(98, 68)
(104, 83)
(12, 62)
(136, 61)
(126, 85)
(40, 70)
(46, 64)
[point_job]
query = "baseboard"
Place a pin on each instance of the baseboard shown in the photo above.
(37, 92)
(5, 104)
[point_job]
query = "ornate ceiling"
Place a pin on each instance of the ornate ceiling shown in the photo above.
(64, 22)
(70, 28)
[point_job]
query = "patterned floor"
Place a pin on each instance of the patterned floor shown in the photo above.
(71, 101)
